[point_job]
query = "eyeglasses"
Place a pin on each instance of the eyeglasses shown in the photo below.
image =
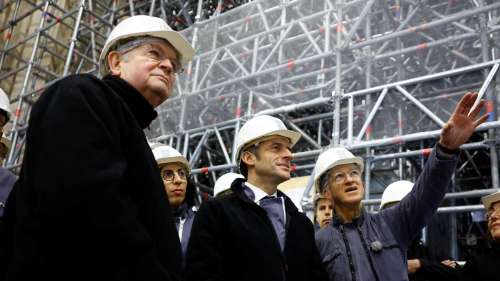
(169, 175)
(152, 52)
(155, 54)
(492, 212)
(341, 177)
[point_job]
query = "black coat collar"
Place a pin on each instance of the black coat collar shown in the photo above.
(142, 110)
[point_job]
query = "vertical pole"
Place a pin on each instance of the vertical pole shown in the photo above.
(337, 95)
(73, 38)
(15, 133)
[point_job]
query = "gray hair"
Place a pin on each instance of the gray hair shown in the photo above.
(128, 44)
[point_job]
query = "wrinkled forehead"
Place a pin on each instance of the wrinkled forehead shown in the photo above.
(275, 139)
(269, 140)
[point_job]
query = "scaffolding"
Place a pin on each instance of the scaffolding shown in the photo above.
(379, 77)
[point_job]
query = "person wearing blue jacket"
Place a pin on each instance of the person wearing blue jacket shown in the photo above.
(362, 246)
(174, 170)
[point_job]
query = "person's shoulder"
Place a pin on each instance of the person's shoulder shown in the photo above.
(75, 85)
(324, 234)
(4, 172)
(78, 80)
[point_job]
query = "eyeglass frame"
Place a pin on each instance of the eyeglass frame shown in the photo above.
(492, 211)
(334, 175)
(145, 40)
(184, 177)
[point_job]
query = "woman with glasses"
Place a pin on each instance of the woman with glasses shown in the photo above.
(484, 267)
(174, 170)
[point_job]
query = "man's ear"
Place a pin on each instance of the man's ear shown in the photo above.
(114, 59)
(248, 158)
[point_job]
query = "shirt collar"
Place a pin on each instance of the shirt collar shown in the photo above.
(259, 193)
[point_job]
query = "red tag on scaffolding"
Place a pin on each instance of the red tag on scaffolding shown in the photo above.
(369, 131)
(426, 152)
(204, 170)
(339, 27)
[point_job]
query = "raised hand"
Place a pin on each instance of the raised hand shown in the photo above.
(461, 124)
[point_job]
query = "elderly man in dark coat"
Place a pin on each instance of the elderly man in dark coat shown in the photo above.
(90, 202)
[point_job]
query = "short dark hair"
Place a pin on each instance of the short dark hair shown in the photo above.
(6, 115)
(190, 197)
(253, 148)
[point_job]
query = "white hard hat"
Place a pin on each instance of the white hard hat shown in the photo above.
(395, 192)
(333, 157)
(224, 182)
(142, 25)
(488, 200)
(5, 104)
(165, 154)
(263, 126)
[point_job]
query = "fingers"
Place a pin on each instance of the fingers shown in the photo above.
(464, 104)
(476, 110)
(481, 120)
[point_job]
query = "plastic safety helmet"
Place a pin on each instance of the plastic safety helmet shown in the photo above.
(488, 200)
(262, 126)
(165, 154)
(331, 158)
(5, 104)
(140, 26)
(395, 192)
(224, 182)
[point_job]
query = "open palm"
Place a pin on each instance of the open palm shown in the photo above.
(461, 124)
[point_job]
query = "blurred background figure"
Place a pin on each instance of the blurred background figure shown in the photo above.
(420, 264)
(7, 178)
(223, 184)
(174, 170)
(323, 208)
(485, 266)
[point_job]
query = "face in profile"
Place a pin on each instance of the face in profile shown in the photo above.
(271, 160)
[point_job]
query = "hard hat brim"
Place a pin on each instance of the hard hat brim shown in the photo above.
(352, 160)
(488, 200)
(173, 37)
(169, 160)
(293, 136)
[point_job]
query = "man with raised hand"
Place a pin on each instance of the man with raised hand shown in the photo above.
(361, 246)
